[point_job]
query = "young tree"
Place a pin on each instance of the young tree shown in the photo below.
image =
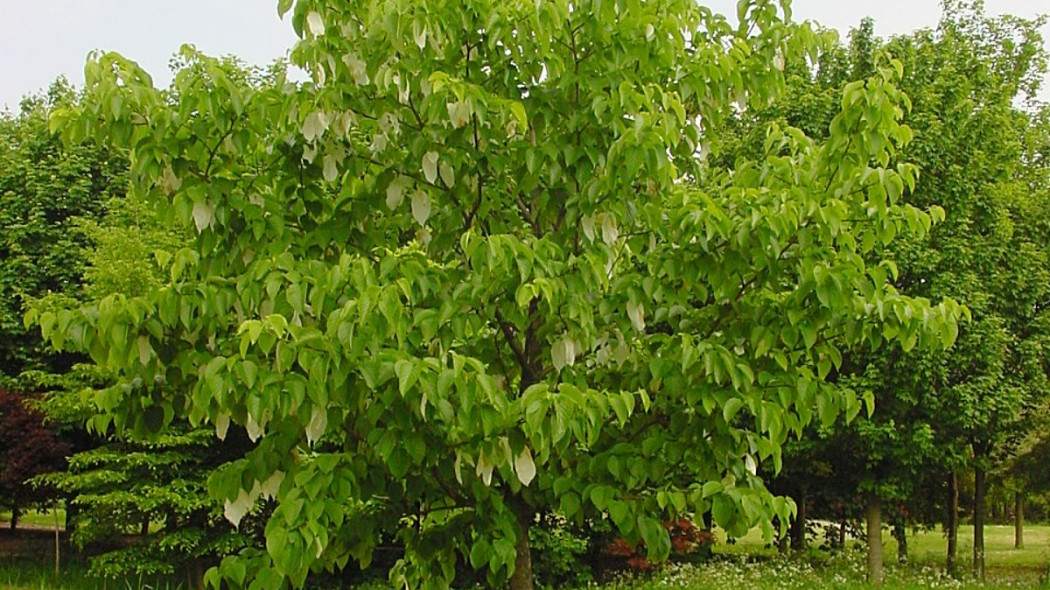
(467, 275)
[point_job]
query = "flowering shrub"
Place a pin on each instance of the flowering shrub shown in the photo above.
(688, 544)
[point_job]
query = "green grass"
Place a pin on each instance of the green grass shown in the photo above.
(35, 518)
(27, 576)
(928, 548)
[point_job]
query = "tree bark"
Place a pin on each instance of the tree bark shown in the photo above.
(978, 522)
(798, 526)
(522, 577)
(16, 513)
(1018, 520)
(71, 517)
(900, 532)
(874, 537)
(842, 535)
(783, 537)
(58, 543)
(195, 576)
(953, 523)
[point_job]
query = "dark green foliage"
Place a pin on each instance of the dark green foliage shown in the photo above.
(121, 490)
(45, 188)
(559, 552)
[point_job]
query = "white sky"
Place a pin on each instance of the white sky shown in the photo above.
(42, 39)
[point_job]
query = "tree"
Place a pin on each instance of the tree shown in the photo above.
(476, 270)
(967, 81)
(978, 157)
(117, 487)
(45, 187)
(27, 449)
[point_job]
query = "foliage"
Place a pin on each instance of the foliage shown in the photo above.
(689, 544)
(978, 154)
(477, 269)
(27, 448)
(120, 488)
(559, 554)
(45, 187)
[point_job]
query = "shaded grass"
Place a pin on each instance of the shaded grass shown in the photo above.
(35, 518)
(23, 575)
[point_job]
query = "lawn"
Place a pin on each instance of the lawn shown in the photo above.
(1005, 566)
(35, 518)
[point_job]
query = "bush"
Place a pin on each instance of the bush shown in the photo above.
(689, 544)
(559, 553)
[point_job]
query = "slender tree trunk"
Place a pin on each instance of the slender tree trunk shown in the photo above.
(16, 513)
(58, 543)
(1018, 520)
(900, 532)
(953, 523)
(798, 526)
(144, 530)
(978, 522)
(522, 578)
(874, 536)
(842, 534)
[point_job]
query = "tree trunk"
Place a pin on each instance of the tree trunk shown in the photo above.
(842, 534)
(900, 532)
(798, 526)
(522, 577)
(1018, 520)
(953, 523)
(195, 576)
(15, 515)
(71, 517)
(144, 531)
(781, 539)
(874, 535)
(978, 522)
(58, 543)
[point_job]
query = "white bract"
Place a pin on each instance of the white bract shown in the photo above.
(420, 207)
(430, 166)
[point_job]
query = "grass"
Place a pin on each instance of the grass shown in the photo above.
(844, 571)
(35, 518)
(928, 548)
(28, 576)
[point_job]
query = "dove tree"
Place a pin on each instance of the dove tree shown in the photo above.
(477, 269)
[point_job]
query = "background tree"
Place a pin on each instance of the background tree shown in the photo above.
(45, 187)
(27, 449)
(455, 282)
(941, 411)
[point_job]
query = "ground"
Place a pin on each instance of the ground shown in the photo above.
(27, 558)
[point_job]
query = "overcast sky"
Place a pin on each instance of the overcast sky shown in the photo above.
(43, 39)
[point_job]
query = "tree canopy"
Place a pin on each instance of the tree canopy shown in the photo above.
(487, 264)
